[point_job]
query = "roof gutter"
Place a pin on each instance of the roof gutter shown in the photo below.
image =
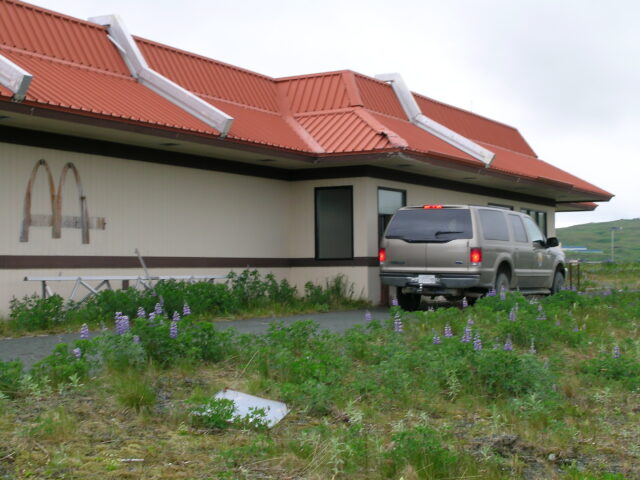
(160, 84)
(14, 78)
(415, 116)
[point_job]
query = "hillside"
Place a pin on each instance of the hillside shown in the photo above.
(597, 236)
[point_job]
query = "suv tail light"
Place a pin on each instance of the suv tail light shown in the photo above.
(382, 255)
(475, 256)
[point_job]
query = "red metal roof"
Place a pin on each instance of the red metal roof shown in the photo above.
(77, 69)
(474, 127)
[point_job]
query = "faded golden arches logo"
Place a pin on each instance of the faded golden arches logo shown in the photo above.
(56, 220)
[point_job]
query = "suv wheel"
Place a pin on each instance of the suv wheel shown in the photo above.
(502, 282)
(408, 301)
(558, 282)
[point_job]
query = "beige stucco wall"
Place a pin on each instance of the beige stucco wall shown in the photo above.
(181, 212)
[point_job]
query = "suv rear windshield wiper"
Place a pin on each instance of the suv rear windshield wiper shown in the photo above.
(442, 232)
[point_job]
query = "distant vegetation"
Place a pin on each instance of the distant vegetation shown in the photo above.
(597, 236)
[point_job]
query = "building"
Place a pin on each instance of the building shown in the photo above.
(110, 142)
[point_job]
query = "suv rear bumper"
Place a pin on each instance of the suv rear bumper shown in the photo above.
(443, 281)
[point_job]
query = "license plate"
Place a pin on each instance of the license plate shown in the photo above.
(427, 279)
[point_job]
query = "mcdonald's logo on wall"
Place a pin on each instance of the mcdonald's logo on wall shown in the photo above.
(56, 220)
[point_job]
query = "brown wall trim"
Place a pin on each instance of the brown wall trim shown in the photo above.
(32, 262)
(116, 150)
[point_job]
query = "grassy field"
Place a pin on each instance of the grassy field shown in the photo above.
(526, 389)
(597, 236)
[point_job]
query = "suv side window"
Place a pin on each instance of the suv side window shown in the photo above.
(518, 229)
(535, 235)
(494, 225)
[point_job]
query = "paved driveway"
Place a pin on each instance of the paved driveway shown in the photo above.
(32, 349)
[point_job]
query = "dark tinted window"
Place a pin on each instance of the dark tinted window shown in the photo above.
(425, 225)
(334, 223)
(494, 225)
(518, 229)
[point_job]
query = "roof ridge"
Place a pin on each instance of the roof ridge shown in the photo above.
(202, 57)
(311, 75)
(50, 58)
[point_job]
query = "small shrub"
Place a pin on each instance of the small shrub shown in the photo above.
(121, 352)
(500, 373)
(623, 369)
(134, 390)
(33, 313)
(155, 338)
(61, 367)
(10, 373)
(421, 449)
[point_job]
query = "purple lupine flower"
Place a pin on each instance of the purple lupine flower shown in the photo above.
(492, 292)
(367, 316)
(436, 339)
(470, 321)
(158, 308)
(607, 292)
(136, 339)
(141, 313)
(186, 310)
(122, 325)
(117, 316)
(477, 343)
(173, 330)
(616, 351)
(397, 324)
(532, 348)
(77, 352)
(447, 331)
(176, 317)
(508, 344)
(394, 302)
(576, 329)
(557, 323)
(84, 331)
(465, 303)
(152, 316)
(512, 315)
(466, 338)
(503, 294)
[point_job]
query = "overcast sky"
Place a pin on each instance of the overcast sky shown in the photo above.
(566, 73)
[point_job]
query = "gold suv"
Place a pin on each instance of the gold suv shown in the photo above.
(466, 251)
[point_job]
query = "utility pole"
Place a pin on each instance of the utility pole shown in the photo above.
(613, 229)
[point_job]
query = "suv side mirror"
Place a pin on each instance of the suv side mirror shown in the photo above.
(552, 242)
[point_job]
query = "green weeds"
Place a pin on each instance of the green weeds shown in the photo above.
(244, 294)
(517, 389)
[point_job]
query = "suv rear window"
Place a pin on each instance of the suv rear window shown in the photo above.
(427, 225)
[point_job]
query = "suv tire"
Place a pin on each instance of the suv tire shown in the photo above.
(408, 301)
(558, 282)
(502, 283)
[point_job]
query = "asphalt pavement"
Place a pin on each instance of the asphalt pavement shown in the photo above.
(33, 348)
